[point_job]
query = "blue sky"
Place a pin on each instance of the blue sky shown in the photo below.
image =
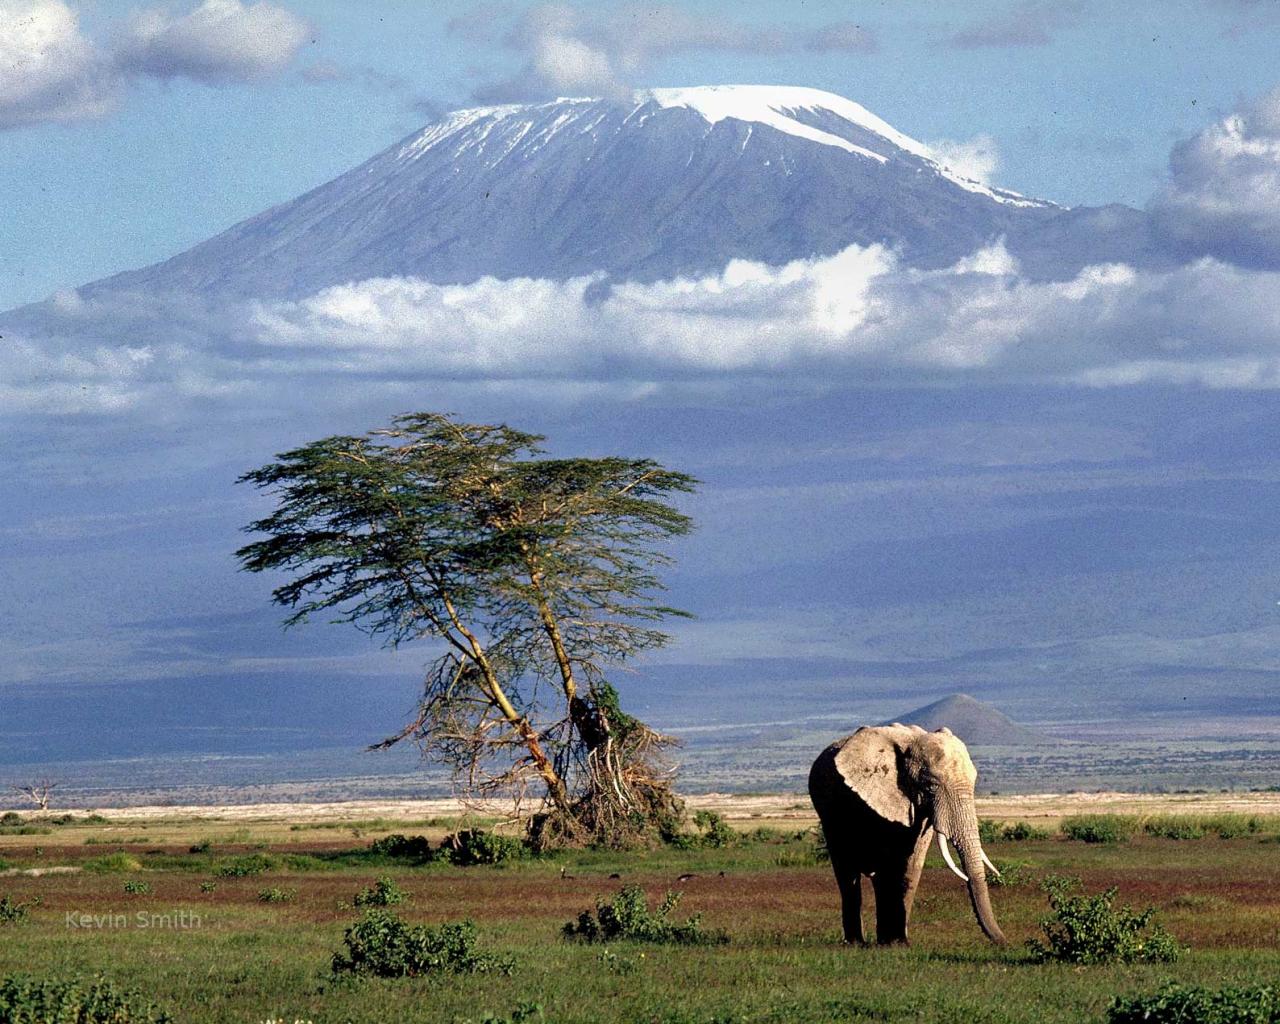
(1080, 102)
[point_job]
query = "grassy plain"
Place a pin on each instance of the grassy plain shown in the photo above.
(240, 959)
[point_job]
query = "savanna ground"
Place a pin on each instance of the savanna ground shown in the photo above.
(239, 959)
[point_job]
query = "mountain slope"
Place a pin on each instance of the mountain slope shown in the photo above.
(976, 723)
(677, 182)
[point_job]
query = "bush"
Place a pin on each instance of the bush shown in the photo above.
(474, 846)
(526, 1011)
(208, 886)
(383, 893)
(400, 847)
(243, 867)
(988, 831)
(113, 862)
(134, 887)
(204, 846)
(382, 944)
(713, 832)
(1012, 873)
(627, 916)
(1098, 828)
(1178, 1003)
(1021, 831)
(10, 818)
(11, 911)
(1087, 929)
(276, 895)
(43, 1001)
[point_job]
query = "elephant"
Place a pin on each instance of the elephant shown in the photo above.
(881, 795)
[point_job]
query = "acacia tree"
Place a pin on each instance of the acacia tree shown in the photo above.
(536, 574)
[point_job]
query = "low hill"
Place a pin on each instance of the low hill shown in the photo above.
(976, 723)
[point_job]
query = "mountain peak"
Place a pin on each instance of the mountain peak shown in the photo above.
(975, 722)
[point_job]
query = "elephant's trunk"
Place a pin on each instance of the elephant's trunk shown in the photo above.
(957, 819)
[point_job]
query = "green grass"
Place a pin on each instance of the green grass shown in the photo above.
(234, 958)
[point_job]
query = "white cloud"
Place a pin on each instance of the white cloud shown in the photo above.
(219, 41)
(855, 316)
(49, 72)
(584, 50)
(976, 158)
(1223, 193)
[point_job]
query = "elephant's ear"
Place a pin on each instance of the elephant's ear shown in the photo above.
(868, 763)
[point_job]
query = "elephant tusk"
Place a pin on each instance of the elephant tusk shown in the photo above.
(987, 861)
(946, 855)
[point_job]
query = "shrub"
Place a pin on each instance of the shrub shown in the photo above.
(137, 888)
(382, 944)
(11, 911)
(1012, 873)
(204, 846)
(713, 831)
(988, 831)
(243, 867)
(1021, 831)
(10, 818)
(208, 886)
(383, 893)
(113, 862)
(1098, 828)
(527, 1011)
(627, 916)
(475, 846)
(45, 1001)
(1086, 929)
(276, 895)
(402, 847)
(1178, 1003)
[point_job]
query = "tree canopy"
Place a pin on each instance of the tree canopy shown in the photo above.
(535, 575)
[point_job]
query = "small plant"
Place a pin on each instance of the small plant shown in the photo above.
(113, 862)
(475, 846)
(1021, 831)
(627, 916)
(1180, 1004)
(384, 945)
(383, 893)
(208, 886)
(988, 831)
(1086, 929)
(243, 867)
(277, 895)
(12, 912)
(48, 1001)
(1098, 828)
(204, 846)
(1012, 873)
(136, 887)
(527, 1011)
(402, 847)
(610, 961)
(716, 833)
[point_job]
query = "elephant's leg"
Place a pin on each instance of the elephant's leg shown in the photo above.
(850, 882)
(891, 906)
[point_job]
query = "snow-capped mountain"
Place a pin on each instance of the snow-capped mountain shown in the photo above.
(675, 182)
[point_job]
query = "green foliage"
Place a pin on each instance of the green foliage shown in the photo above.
(384, 945)
(243, 867)
(25, 1000)
(24, 830)
(1012, 873)
(136, 887)
(526, 1011)
(277, 895)
(12, 912)
(401, 847)
(477, 846)
(1022, 831)
(1183, 1004)
(627, 916)
(383, 893)
(1098, 828)
(113, 862)
(988, 831)
(1192, 826)
(713, 832)
(10, 818)
(1086, 929)
(208, 886)
(204, 846)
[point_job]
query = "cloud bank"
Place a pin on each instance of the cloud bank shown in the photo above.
(51, 73)
(856, 316)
